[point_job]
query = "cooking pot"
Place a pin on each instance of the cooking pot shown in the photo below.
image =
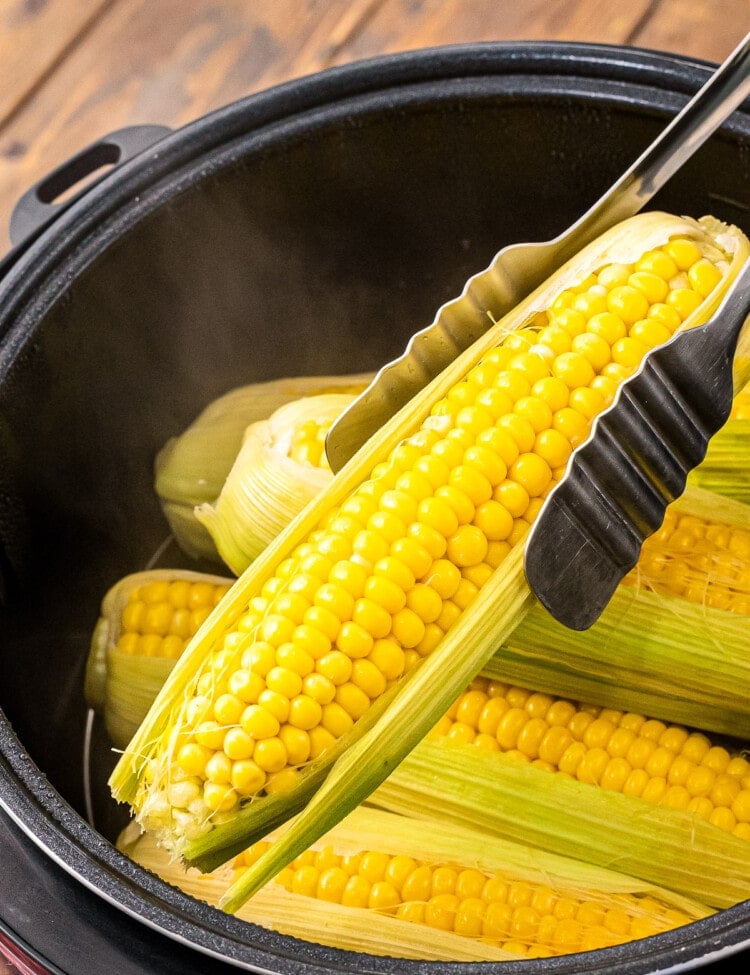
(308, 229)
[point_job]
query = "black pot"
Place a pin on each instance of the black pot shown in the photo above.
(310, 228)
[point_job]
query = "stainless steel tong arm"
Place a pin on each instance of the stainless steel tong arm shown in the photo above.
(519, 268)
(725, 90)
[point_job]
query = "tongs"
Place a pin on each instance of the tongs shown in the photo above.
(594, 523)
(589, 532)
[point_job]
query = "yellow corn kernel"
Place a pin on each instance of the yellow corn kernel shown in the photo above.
(160, 614)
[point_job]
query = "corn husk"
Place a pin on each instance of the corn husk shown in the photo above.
(121, 687)
(726, 467)
(266, 487)
(427, 691)
(191, 468)
(363, 930)
(501, 796)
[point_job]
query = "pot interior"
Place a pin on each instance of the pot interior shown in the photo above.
(315, 244)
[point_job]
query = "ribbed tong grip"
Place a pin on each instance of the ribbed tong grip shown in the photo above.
(636, 461)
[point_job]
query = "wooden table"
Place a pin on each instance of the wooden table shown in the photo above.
(73, 70)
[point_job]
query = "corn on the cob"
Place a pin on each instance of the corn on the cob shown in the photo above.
(191, 468)
(661, 801)
(145, 622)
(388, 884)
(348, 599)
(620, 751)
(280, 467)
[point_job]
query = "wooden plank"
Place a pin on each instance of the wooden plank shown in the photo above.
(402, 24)
(34, 36)
(690, 27)
(167, 63)
(698, 29)
(170, 62)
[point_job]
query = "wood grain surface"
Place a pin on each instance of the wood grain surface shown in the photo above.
(73, 70)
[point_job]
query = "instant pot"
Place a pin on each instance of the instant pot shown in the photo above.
(308, 229)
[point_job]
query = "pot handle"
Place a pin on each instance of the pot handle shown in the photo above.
(37, 207)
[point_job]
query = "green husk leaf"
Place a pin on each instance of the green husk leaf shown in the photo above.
(703, 503)
(189, 534)
(505, 797)
(265, 487)
(132, 684)
(652, 654)
(726, 466)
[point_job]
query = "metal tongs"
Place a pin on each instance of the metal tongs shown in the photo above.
(589, 533)
(592, 526)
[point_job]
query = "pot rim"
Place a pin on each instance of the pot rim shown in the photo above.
(38, 274)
